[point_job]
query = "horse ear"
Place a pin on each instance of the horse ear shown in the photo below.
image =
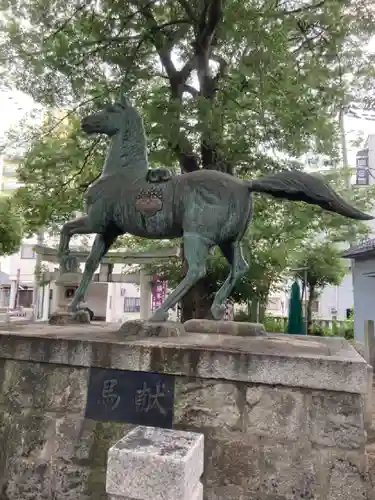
(124, 101)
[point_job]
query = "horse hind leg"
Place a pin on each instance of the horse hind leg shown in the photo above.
(196, 250)
(238, 268)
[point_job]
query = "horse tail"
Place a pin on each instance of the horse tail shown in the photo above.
(300, 186)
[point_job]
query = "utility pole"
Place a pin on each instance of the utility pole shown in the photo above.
(344, 148)
(38, 263)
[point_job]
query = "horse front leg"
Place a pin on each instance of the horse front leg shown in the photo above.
(100, 247)
(81, 225)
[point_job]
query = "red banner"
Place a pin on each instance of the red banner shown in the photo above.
(159, 293)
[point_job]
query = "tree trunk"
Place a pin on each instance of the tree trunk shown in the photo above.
(197, 303)
(262, 311)
(310, 301)
(254, 310)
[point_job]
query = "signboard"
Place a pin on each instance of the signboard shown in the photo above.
(362, 168)
(138, 398)
(362, 177)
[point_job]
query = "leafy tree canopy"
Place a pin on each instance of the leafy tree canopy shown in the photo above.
(242, 87)
(11, 226)
(319, 265)
(233, 82)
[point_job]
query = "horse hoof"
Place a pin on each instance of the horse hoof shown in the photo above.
(159, 316)
(217, 312)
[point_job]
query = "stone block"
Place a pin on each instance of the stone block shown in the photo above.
(321, 363)
(27, 481)
(206, 404)
(70, 482)
(69, 279)
(349, 477)
(61, 318)
(232, 459)
(39, 385)
(336, 419)
(139, 329)
(155, 463)
(237, 328)
(291, 472)
(275, 412)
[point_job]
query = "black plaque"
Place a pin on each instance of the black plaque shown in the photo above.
(140, 398)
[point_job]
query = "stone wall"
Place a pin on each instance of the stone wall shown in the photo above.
(262, 441)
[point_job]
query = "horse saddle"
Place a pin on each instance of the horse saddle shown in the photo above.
(158, 175)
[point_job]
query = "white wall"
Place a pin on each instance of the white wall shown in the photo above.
(116, 299)
(364, 295)
(336, 298)
(97, 299)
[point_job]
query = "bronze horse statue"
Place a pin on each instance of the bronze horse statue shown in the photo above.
(206, 208)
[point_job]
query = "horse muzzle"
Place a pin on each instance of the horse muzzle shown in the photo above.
(90, 125)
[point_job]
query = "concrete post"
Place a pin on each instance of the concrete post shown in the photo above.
(369, 337)
(146, 291)
(158, 464)
(13, 291)
(369, 355)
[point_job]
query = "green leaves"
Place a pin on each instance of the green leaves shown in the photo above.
(56, 172)
(245, 86)
(11, 226)
(323, 264)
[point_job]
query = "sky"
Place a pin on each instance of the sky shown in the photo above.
(15, 105)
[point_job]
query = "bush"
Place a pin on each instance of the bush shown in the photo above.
(242, 316)
(275, 325)
(318, 331)
(343, 329)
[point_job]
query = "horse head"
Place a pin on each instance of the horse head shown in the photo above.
(120, 116)
(109, 121)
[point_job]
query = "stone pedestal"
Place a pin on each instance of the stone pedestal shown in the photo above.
(282, 416)
(154, 463)
(139, 329)
(66, 285)
(236, 328)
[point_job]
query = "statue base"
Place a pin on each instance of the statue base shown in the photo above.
(235, 328)
(63, 318)
(283, 415)
(140, 329)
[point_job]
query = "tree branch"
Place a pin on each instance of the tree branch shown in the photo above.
(191, 90)
(212, 14)
(188, 9)
(300, 10)
(182, 147)
(65, 23)
(84, 163)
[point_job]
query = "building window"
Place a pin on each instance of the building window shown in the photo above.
(132, 304)
(27, 252)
